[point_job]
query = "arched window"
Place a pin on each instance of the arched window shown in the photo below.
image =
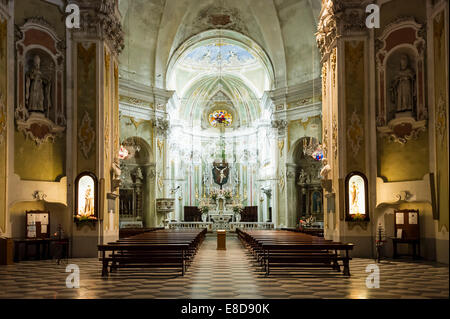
(86, 197)
(357, 206)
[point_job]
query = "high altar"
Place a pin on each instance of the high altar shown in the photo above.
(222, 213)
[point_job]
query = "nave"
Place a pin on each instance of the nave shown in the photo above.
(228, 274)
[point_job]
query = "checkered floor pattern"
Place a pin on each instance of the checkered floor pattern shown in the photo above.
(225, 275)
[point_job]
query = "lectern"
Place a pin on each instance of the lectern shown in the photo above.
(221, 240)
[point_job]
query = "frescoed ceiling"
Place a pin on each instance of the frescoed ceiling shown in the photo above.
(219, 55)
(156, 29)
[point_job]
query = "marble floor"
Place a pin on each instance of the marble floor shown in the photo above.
(223, 275)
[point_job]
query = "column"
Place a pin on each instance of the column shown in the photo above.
(343, 40)
(6, 109)
(291, 193)
(95, 48)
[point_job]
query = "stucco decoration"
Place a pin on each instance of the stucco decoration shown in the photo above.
(334, 138)
(2, 119)
(338, 18)
(160, 144)
(402, 113)
(441, 120)
(333, 67)
(281, 126)
(281, 147)
(102, 19)
(355, 133)
(282, 181)
(325, 142)
(324, 79)
(135, 101)
(40, 111)
(327, 26)
(86, 135)
(162, 127)
(39, 196)
(160, 181)
(402, 130)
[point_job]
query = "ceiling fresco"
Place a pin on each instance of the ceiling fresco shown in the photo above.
(219, 54)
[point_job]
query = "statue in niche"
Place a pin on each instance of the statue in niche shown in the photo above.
(88, 202)
(138, 175)
(403, 86)
(325, 170)
(116, 173)
(354, 192)
(303, 177)
(38, 89)
(125, 176)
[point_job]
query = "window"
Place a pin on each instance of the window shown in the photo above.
(86, 197)
(220, 117)
(356, 197)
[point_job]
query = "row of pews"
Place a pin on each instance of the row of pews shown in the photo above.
(287, 249)
(161, 248)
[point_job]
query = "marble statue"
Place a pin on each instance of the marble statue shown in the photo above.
(302, 178)
(354, 193)
(402, 88)
(116, 173)
(139, 175)
(325, 170)
(37, 88)
(88, 202)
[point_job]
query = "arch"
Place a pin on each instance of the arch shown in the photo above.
(296, 148)
(241, 96)
(145, 154)
(233, 37)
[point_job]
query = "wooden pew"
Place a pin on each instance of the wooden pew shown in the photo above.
(173, 249)
(284, 249)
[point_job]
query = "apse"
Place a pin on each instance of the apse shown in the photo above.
(216, 115)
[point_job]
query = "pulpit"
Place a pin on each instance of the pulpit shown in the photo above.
(221, 240)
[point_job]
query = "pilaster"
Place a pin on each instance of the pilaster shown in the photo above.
(344, 42)
(95, 104)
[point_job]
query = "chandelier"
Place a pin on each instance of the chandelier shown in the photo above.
(128, 149)
(312, 148)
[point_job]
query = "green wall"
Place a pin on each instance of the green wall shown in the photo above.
(408, 162)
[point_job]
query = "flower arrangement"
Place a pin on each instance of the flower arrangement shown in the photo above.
(82, 220)
(227, 194)
(238, 207)
(203, 207)
(213, 194)
(358, 217)
(85, 217)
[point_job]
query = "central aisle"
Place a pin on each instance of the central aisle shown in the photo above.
(223, 273)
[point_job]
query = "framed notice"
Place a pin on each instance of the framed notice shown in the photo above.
(399, 219)
(413, 218)
(37, 224)
(407, 224)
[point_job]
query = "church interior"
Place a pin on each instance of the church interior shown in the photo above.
(216, 149)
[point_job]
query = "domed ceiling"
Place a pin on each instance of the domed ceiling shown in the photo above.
(219, 68)
(156, 29)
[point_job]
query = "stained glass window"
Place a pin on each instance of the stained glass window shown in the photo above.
(220, 117)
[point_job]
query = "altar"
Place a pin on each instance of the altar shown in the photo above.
(220, 210)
